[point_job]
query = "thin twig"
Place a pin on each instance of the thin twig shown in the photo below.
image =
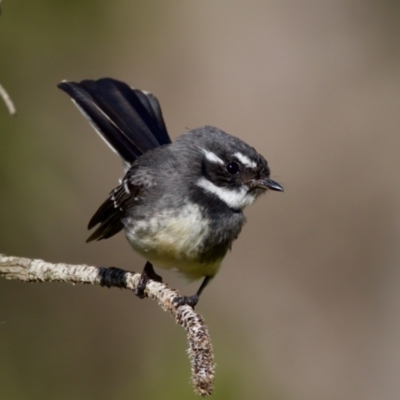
(200, 348)
(7, 100)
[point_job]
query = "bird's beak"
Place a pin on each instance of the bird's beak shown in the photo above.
(268, 183)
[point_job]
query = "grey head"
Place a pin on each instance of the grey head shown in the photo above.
(224, 167)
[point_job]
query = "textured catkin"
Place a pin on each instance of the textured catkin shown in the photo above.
(200, 350)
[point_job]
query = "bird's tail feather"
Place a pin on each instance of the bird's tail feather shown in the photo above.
(129, 120)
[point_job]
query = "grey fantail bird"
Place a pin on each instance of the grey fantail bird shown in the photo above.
(180, 204)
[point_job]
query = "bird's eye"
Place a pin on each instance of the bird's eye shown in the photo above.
(232, 167)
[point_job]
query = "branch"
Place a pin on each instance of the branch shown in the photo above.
(200, 349)
(7, 99)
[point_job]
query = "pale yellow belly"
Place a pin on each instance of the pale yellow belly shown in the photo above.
(173, 243)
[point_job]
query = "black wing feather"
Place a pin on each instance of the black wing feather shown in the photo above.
(110, 213)
(109, 227)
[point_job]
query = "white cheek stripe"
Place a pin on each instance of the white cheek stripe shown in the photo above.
(245, 160)
(236, 199)
(212, 157)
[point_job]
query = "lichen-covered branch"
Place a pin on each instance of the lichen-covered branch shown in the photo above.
(200, 348)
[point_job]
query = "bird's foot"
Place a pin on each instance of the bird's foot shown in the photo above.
(187, 300)
(147, 274)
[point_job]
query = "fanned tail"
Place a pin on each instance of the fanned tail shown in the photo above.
(129, 120)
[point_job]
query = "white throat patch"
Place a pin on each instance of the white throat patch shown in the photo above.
(236, 199)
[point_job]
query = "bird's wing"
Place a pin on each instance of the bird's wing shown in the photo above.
(129, 120)
(110, 213)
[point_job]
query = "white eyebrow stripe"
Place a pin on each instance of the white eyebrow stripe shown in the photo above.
(236, 199)
(245, 160)
(212, 156)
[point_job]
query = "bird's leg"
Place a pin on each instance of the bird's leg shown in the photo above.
(147, 274)
(192, 300)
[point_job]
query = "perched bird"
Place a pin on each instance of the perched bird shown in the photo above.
(180, 203)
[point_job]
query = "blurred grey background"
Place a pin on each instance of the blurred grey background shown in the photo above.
(307, 305)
